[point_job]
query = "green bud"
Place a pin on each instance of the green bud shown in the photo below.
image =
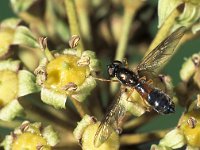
(173, 139)
(189, 67)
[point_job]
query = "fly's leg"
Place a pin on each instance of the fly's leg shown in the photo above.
(146, 104)
(129, 95)
(125, 62)
(128, 92)
(142, 79)
(150, 82)
(105, 80)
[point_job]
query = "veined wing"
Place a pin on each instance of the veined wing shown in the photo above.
(110, 122)
(162, 52)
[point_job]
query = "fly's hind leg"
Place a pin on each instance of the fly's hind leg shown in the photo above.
(146, 104)
(142, 79)
(150, 82)
(128, 93)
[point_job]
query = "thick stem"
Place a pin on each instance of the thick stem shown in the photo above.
(35, 111)
(81, 109)
(83, 16)
(130, 11)
(10, 124)
(138, 122)
(164, 30)
(73, 21)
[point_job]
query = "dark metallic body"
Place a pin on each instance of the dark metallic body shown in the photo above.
(156, 98)
(153, 97)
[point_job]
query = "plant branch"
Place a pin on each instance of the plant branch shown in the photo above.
(164, 30)
(83, 16)
(79, 107)
(73, 21)
(10, 124)
(130, 11)
(133, 139)
(138, 122)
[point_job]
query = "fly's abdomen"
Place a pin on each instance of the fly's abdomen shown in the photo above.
(161, 102)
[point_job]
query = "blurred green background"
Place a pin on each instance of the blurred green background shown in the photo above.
(172, 68)
(6, 10)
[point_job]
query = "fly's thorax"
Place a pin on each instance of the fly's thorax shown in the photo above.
(127, 77)
(161, 102)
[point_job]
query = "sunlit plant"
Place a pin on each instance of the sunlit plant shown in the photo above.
(54, 86)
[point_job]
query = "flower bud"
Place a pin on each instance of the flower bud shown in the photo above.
(173, 139)
(85, 133)
(31, 136)
(190, 126)
(14, 83)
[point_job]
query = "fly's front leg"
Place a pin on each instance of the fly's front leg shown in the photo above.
(105, 80)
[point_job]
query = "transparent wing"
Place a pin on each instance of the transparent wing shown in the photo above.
(161, 53)
(110, 122)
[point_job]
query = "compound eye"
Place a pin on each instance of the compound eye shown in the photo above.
(111, 71)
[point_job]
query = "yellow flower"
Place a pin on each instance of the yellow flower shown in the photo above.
(190, 125)
(66, 74)
(64, 70)
(85, 133)
(31, 136)
(30, 141)
(14, 83)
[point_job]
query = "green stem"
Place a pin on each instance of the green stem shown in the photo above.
(80, 107)
(83, 9)
(140, 138)
(165, 29)
(130, 11)
(10, 124)
(138, 122)
(45, 49)
(121, 49)
(73, 21)
(36, 111)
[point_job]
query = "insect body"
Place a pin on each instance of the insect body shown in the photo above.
(156, 98)
(153, 96)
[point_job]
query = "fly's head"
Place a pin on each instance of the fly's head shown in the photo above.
(114, 67)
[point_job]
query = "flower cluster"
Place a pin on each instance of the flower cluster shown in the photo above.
(52, 58)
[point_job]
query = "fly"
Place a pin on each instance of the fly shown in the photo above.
(154, 97)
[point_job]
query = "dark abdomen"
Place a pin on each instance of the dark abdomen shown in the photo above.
(160, 101)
